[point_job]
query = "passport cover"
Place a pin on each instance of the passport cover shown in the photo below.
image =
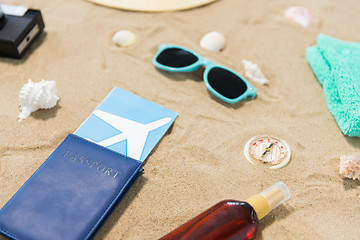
(127, 124)
(71, 194)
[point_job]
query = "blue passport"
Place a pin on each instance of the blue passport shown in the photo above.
(71, 194)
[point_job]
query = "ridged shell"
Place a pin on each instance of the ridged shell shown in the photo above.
(300, 15)
(350, 166)
(34, 96)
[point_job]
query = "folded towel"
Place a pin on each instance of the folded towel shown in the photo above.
(336, 65)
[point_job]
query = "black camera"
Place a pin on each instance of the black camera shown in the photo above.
(19, 28)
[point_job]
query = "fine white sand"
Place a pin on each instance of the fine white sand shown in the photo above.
(200, 161)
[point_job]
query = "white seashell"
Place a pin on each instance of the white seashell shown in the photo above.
(124, 38)
(213, 41)
(300, 15)
(253, 71)
(34, 96)
(350, 166)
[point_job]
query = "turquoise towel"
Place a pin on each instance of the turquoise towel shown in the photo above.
(336, 65)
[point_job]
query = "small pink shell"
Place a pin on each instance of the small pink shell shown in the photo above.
(300, 15)
(350, 166)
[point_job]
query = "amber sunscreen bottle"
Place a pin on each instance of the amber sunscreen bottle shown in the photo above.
(231, 219)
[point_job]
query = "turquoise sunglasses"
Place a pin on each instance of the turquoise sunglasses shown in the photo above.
(221, 82)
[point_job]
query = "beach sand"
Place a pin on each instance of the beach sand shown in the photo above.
(200, 161)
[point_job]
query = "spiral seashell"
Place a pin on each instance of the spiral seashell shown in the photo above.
(34, 96)
(253, 72)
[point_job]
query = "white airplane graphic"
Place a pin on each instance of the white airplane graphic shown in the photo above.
(134, 132)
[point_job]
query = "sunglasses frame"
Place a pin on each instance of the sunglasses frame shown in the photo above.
(250, 91)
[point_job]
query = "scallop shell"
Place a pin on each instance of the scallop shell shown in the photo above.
(350, 166)
(34, 96)
(213, 41)
(300, 15)
(253, 71)
(124, 38)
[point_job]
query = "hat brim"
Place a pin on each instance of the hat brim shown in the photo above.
(152, 5)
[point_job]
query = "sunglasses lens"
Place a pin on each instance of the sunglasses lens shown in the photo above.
(176, 57)
(226, 83)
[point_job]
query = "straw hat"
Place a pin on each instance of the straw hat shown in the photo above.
(152, 5)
